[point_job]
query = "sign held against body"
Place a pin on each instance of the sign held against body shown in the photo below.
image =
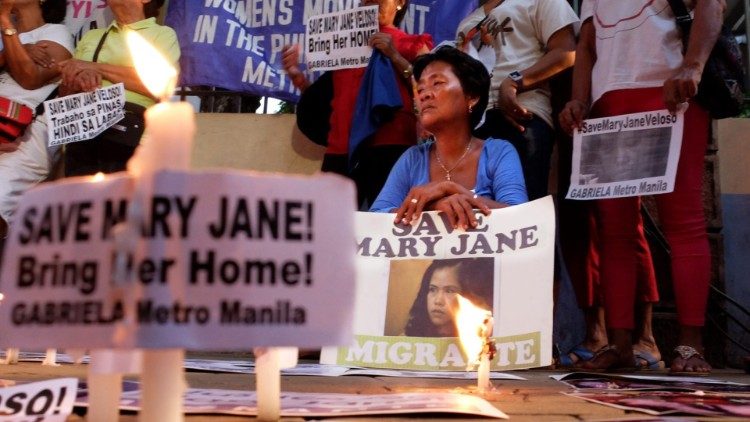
(340, 40)
(408, 276)
(628, 155)
(225, 260)
(83, 116)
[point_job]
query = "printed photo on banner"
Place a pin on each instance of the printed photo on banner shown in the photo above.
(228, 260)
(83, 116)
(340, 40)
(627, 155)
(422, 294)
(409, 278)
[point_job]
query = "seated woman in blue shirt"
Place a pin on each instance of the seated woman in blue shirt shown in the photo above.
(454, 172)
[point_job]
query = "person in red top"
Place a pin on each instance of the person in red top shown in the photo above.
(381, 150)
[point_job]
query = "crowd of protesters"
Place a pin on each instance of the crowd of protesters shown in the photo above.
(482, 136)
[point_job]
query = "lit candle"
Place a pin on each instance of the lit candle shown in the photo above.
(475, 331)
(167, 144)
(268, 364)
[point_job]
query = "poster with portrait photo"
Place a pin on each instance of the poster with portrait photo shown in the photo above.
(421, 294)
(628, 155)
(505, 265)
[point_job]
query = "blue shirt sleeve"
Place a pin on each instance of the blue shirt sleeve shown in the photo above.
(399, 182)
(504, 176)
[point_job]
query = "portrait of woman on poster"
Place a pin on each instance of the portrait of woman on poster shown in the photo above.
(432, 313)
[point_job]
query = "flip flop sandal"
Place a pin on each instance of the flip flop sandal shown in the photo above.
(687, 353)
(646, 361)
(615, 367)
(582, 352)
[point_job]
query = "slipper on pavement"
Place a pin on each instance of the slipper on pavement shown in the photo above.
(646, 361)
(582, 352)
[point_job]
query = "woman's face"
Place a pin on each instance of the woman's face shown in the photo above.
(441, 296)
(441, 98)
(386, 9)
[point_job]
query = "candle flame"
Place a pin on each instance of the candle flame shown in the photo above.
(155, 71)
(2, 296)
(98, 177)
(472, 324)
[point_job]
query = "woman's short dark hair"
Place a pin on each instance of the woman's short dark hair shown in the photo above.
(53, 11)
(474, 78)
(401, 13)
(151, 9)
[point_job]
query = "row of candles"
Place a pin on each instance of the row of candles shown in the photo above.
(170, 129)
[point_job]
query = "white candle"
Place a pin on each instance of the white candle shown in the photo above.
(11, 356)
(268, 364)
(483, 372)
(50, 358)
(104, 378)
(162, 386)
(169, 135)
(167, 144)
(104, 396)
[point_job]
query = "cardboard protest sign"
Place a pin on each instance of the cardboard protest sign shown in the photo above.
(48, 401)
(339, 40)
(228, 260)
(80, 117)
(628, 155)
(407, 276)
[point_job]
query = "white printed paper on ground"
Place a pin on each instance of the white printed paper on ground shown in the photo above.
(80, 117)
(504, 265)
(314, 369)
(223, 260)
(340, 40)
(627, 155)
(43, 401)
(233, 402)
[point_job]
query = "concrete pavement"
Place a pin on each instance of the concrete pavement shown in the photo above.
(536, 399)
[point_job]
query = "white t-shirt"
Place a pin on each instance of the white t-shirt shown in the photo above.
(524, 27)
(638, 44)
(9, 88)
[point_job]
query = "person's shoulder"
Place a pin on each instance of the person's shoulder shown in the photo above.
(497, 145)
(58, 33)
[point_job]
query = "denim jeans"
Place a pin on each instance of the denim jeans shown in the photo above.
(534, 147)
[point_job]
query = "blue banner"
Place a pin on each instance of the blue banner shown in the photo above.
(236, 44)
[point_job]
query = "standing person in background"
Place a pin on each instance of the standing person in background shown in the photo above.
(381, 150)
(102, 58)
(31, 29)
(630, 59)
(533, 41)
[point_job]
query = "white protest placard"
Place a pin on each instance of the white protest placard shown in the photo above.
(306, 405)
(225, 260)
(627, 155)
(83, 116)
(405, 274)
(339, 40)
(43, 401)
